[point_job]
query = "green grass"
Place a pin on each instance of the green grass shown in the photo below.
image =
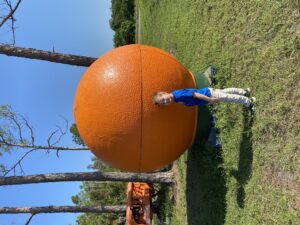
(255, 178)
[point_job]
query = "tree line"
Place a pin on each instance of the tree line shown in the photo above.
(123, 22)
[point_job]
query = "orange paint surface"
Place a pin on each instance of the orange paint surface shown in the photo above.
(115, 114)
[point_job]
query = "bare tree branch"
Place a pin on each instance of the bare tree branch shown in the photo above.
(11, 13)
(13, 31)
(64, 209)
(62, 133)
(18, 163)
(46, 55)
(10, 17)
(41, 147)
(14, 118)
(12, 121)
(158, 177)
(30, 218)
(30, 128)
(50, 137)
(47, 148)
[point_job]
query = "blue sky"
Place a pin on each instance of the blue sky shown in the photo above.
(44, 91)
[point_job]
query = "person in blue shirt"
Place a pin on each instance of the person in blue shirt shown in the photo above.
(192, 97)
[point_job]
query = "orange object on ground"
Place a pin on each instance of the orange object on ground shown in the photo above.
(115, 114)
(139, 203)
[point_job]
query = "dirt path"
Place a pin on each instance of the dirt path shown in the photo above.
(139, 28)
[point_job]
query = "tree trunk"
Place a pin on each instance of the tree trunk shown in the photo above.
(31, 53)
(162, 177)
(64, 209)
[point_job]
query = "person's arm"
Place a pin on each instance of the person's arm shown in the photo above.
(205, 98)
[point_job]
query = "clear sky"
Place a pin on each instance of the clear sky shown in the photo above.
(44, 91)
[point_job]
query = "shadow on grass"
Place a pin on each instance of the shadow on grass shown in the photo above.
(243, 174)
(206, 186)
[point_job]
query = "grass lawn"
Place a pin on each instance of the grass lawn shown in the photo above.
(255, 178)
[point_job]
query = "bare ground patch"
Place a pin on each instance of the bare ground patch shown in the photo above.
(285, 180)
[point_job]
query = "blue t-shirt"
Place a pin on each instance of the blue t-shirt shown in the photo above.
(186, 96)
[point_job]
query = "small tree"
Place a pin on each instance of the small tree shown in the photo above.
(16, 133)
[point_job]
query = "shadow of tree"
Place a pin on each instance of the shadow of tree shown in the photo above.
(243, 174)
(206, 186)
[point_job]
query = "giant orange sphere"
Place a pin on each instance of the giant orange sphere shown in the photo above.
(115, 114)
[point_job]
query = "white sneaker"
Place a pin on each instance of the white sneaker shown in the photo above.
(248, 92)
(251, 107)
(253, 99)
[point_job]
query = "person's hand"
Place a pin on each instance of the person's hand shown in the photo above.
(214, 100)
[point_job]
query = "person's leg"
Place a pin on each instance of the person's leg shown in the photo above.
(231, 98)
(238, 91)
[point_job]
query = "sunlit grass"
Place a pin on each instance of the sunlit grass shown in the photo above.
(253, 44)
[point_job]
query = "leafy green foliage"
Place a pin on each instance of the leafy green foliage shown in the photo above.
(121, 10)
(122, 22)
(75, 135)
(93, 193)
(125, 34)
(14, 128)
(6, 131)
(7, 127)
(100, 193)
